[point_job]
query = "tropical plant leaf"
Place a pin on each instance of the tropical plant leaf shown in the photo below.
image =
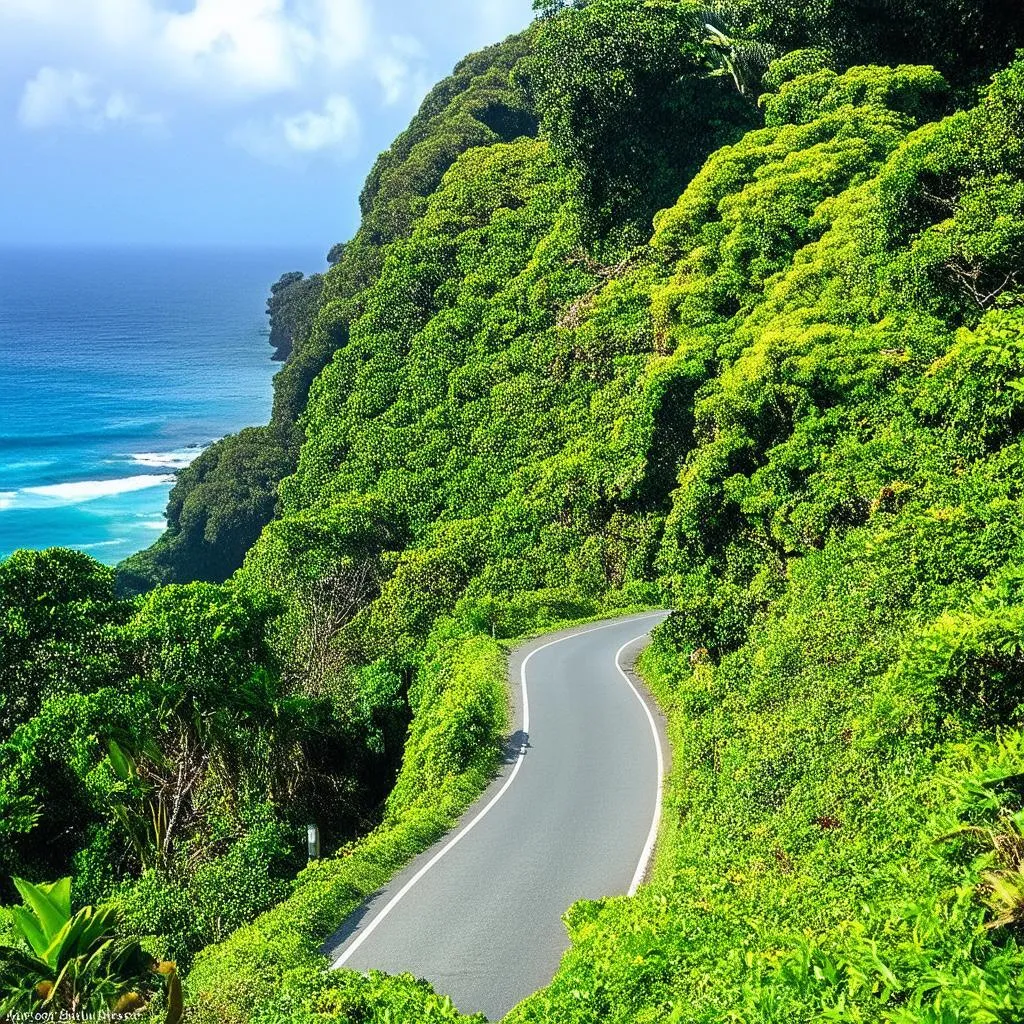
(82, 933)
(122, 764)
(50, 902)
(27, 925)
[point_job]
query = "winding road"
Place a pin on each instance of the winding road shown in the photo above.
(572, 815)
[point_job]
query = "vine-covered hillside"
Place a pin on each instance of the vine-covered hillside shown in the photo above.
(717, 309)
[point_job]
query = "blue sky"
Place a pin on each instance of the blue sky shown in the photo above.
(213, 121)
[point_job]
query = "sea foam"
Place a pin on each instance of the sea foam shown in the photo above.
(167, 460)
(78, 491)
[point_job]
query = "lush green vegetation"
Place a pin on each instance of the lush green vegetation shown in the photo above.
(292, 306)
(221, 503)
(274, 965)
(162, 752)
(720, 308)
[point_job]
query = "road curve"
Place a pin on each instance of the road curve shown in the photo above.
(572, 815)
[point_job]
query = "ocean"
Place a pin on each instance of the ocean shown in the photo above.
(118, 368)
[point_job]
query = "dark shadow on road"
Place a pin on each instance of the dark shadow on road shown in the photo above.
(332, 947)
(514, 744)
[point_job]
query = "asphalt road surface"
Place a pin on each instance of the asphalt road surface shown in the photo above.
(572, 815)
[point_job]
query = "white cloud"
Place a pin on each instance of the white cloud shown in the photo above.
(55, 96)
(120, 108)
(229, 50)
(333, 130)
(392, 74)
(333, 127)
(400, 70)
(264, 66)
(65, 96)
(343, 28)
(248, 47)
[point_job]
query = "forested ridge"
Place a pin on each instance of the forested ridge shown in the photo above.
(712, 308)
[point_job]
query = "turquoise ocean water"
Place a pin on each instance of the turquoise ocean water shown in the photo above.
(118, 367)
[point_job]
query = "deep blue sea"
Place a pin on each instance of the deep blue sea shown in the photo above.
(117, 368)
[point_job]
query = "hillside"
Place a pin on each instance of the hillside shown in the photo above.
(720, 310)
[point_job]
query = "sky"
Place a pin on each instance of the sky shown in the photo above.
(213, 122)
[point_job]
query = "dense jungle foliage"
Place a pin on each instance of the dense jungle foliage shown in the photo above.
(717, 308)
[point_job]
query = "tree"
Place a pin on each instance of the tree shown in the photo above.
(324, 566)
(625, 94)
(57, 613)
(216, 510)
(292, 306)
(745, 60)
(967, 40)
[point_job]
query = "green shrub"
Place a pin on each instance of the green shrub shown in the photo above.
(524, 613)
(315, 997)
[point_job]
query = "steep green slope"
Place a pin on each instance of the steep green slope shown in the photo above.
(845, 675)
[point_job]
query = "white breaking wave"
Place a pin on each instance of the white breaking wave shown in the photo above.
(9, 467)
(155, 524)
(89, 490)
(170, 460)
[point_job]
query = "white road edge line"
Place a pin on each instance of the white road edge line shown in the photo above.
(652, 836)
(369, 929)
